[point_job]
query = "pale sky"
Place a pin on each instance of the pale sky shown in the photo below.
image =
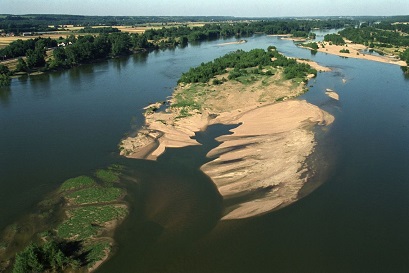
(238, 8)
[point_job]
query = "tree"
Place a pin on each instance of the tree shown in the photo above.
(59, 58)
(28, 260)
(5, 80)
(4, 70)
(121, 43)
(21, 65)
(43, 258)
(334, 38)
(35, 58)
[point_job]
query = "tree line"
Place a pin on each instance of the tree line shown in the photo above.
(335, 39)
(372, 36)
(49, 22)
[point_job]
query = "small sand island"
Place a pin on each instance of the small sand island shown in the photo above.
(265, 155)
(233, 43)
(332, 94)
(352, 50)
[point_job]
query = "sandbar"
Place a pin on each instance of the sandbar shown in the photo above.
(314, 65)
(233, 43)
(332, 94)
(265, 154)
(356, 51)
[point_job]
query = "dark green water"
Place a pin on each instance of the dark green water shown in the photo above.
(65, 124)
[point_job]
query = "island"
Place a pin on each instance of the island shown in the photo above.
(265, 155)
(367, 43)
(71, 229)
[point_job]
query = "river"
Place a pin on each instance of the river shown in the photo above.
(63, 124)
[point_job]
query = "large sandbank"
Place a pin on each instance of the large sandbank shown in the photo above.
(357, 51)
(266, 153)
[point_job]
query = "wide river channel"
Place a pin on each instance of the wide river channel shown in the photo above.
(64, 124)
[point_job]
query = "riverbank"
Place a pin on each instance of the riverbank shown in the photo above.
(266, 153)
(356, 51)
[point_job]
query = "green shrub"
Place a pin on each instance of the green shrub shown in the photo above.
(77, 183)
(85, 222)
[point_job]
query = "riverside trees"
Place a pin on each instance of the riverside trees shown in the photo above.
(4, 75)
(336, 39)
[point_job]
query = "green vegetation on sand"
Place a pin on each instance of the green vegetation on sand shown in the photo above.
(86, 222)
(94, 195)
(77, 183)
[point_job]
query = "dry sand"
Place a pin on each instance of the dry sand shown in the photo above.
(266, 153)
(314, 65)
(233, 43)
(355, 51)
(332, 94)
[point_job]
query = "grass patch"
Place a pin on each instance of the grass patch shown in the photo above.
(248, 79)
(188, 98)
(96, 252)
(107, 176)
(77, 183)
(85, 222)
(95, 195)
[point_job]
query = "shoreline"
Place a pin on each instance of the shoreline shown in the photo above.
(355, 51)
(266, 153)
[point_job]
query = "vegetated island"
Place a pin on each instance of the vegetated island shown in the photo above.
(71, 230)
(357, 43)
(265, 155)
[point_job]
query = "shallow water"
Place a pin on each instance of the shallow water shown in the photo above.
(69, 123)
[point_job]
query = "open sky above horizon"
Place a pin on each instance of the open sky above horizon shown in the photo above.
(238, 8)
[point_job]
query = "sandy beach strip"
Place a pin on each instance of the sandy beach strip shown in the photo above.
(356, 51)
(233, 43)
(314, 65)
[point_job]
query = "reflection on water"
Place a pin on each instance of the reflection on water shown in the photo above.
(5, 93)
(140, 58)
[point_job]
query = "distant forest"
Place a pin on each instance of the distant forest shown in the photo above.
(47, 22)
